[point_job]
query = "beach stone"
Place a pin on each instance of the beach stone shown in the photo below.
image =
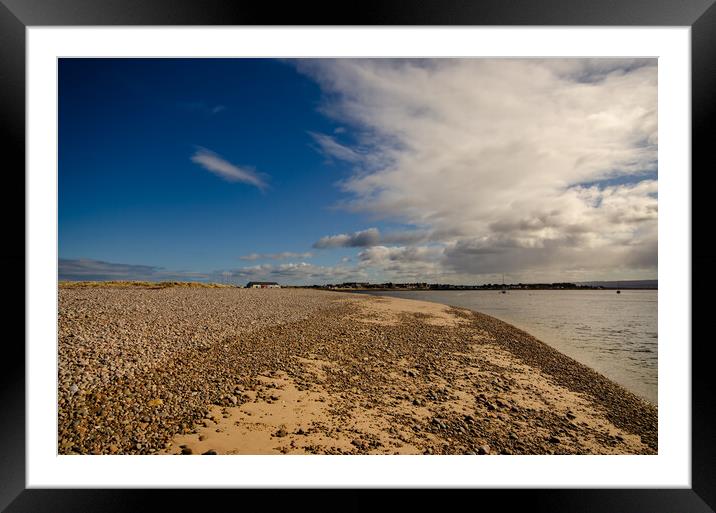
(483, 449)
(138, 344)
(186, 450)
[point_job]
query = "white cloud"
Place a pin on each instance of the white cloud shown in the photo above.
(363, 238)
(377, 254)
(524, 166)
(403, 263)
(275, 256)
(332, 148)
(299, 273)
(228, 171)
(371, 237)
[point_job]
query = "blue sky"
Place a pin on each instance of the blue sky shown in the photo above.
(329, 171)
(128, 191)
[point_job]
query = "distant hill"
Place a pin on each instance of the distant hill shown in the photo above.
(626, 284)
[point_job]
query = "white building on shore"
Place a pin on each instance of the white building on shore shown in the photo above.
(262, 285)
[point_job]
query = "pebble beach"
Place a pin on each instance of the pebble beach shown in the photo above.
(224, 370)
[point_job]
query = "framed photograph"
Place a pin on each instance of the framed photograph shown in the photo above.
(440, 247)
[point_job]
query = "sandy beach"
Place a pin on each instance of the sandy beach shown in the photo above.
(193, 370)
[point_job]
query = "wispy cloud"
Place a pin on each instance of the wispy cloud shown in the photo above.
(228, 171)
(85, 269)
(274, 256)
(332, 148)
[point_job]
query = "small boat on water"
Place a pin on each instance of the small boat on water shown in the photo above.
(504, 291)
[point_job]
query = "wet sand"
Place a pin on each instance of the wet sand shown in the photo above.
(290, 371)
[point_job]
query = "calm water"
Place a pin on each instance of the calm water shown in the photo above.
(615, 334)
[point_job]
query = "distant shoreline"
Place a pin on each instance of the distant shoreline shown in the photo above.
(427, 288)
(460, 288)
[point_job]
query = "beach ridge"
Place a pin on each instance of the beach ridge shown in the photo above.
(235, 371)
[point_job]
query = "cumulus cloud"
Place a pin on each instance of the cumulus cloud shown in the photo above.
(507, 165)
(414, 262)
(275, 256)
(228, 171)
(400, 254)
(370, 237)
(299, 273)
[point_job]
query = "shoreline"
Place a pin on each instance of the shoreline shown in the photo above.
(486, 289)
(308, 372)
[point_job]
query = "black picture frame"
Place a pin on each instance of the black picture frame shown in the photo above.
(17, 15)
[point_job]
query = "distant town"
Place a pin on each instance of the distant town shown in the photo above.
(631, 284)
(602, 285)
